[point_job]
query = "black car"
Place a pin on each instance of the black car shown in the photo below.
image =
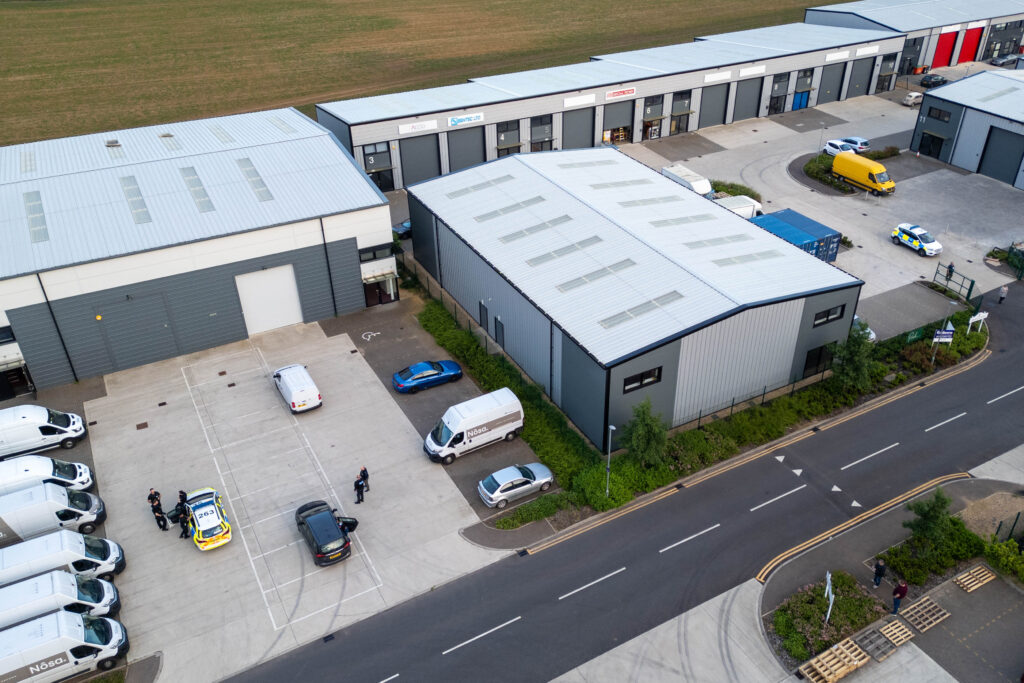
(325, 532)
(933, 80)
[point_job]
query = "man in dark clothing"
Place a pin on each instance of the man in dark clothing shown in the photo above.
(183, 519)
(364, 474)
(182, 497)
(153, 497)
(949, 270)
(898, 594)
(879, 571)
(359, 485)
(161, 518)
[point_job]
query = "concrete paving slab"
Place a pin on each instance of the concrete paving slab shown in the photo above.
(807, 120)
(900, 310)
(908, 664)
(682, 147)
(747, 132)
(1007, 467)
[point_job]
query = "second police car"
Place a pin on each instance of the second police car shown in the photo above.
(207, 522)
(917, 238)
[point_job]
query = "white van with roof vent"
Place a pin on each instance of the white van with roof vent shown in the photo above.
(58, 646)
(48, 507)
(57, 590)
(30, 429)
(82, 555)
(30, 470)
(474, 424)
(297, 388)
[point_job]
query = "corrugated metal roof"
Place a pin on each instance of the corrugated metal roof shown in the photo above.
(95, 196)
(758, 44)
(914, 15)
(567, 78)
(999, 92)
(414, 102)
(619, 256)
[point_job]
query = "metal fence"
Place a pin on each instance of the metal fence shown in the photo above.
(1015, 258)
(947, 276)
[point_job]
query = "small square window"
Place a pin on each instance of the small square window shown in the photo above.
(834, 313)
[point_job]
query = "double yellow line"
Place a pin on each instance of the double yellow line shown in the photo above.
(782, 557)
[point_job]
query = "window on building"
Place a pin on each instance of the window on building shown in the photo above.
(803, 79)
(499, 332)
(653, 106)
(818, 360)
(508, 138)
(6, 335)
(483, 317)
(827, 316)
(541, 133)
(376, 156)
(373, 253)
(940, 114)
(646, 378)
(999, 27)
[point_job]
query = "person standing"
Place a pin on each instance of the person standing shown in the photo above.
(153, 497)
(358, 486)
(898, 594)
(1003, 291)
(949, 270)
(879, 571)
(183, 519)
(161, 518)
(364, 474)
(182, 497)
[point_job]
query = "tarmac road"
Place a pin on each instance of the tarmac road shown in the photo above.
(534, 616)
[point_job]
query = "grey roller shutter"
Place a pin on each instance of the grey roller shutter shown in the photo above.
(712, 105)
(578, 128)
(465, 148)
(831, 83)
(748, 99)
(1004, 152)
(421, 159)
(618, 115)
(860, 77)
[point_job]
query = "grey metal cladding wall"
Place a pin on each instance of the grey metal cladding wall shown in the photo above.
(583, 387)
(748, 99)
(40, 344)
(556, 365)
(943, 129)
(974, 133)
(423, 245)
(346, 277)
(465, 148)
(831, 84)
(470, 279)
(811, 337)
(1002, 156)
(578, 128)
(337, 126)
(662, 394)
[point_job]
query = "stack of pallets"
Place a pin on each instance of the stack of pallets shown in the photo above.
(840, 660)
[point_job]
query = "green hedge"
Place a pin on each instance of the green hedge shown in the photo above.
(538, 509)
(735, 189)
(885, 153)
(918, 558)
(1006, 557)
(820, 168)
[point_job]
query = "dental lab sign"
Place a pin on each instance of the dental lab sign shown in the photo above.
(619, 94)
(456, 121)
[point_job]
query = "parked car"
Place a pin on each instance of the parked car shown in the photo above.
(403, 229)
(424, 375)
(514, 482)
(859, 145)
(325, 532)
(207, 521)
(297, 388)
(834, 147)
(857, 320)
(913, 99)
(1004, 60)
(917, 238)
(933, 80)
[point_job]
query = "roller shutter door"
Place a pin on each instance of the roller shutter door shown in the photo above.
(578, 128)
(831, 83)
(421, 159)
(618, 115)
(465, 148)
(712, 105)
(969, 48)
(944, 49)
(860, 77)
(748, 99)
(1004, 152)
(270, 299)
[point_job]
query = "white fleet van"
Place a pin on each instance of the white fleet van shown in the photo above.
(48, 507)
(742, 206)
(82, 555)
(689, 179)
(28, 429)
(474, 424)
(29, 470)
(297, 388)
(58, 646)
(57, 590)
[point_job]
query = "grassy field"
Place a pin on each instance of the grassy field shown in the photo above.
(69, 68)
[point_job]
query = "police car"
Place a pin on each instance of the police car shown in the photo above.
(207, 521)
(917, 238)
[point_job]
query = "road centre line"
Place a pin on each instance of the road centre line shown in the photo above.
(596, 581)
(1004, 395)
(769, 502)
(390, 678)
(945, 422)
(688, 538)
(866, 457)
(467, 642)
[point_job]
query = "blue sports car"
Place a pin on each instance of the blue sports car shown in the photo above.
(424, 375)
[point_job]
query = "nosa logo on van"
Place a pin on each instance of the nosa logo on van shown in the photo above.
(476, 431)
(45, 665)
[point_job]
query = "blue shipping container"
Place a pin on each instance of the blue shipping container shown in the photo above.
(811, 236)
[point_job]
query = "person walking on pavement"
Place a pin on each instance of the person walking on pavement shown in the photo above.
(898, 594)
(1003, 291)
(359, 486)
(879, 571)
(364, 474)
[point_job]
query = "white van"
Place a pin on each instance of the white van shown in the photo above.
(82, 555)
(48, 507)
(28, 429)
(474, 424)
(688, 179)
(742, 205)
(58, 590)
(29, 470)
(297, 388)
(60, 645)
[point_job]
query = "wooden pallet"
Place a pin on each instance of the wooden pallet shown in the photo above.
(896, 632)
(839, 660)
(924, 614)
(875, 644)
(975, 578)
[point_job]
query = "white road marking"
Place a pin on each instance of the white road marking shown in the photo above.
(261, 435)
(282, 585)
(390, 678)
(467, 642)
(596, 581)
(1005, 395)
(957, 417)
(855, 504)
(324, 609)
(253, 492)
(769, 502)
(836, 489)
(688, 538)
(798, 472)
(265, 519)
(780, 458)
(857, 462)
(287, 545)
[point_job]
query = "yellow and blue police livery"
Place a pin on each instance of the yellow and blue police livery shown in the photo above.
(917, 238)
(207, 521)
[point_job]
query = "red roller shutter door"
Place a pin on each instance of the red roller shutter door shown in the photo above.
(969, 48)
(944, 49)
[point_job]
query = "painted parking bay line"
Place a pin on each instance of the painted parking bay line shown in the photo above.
(592, 583)
(485, 633)
(689, 538)
(769, 502)
(867, 457)
(955, 417)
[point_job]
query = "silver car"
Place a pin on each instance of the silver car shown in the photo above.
(514, 482)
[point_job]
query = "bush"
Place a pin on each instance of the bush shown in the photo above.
(890, 151)
(735, 189)
(535, 510)
(590, 483)
(1006, 557)
(645, 436)
(820, 168)
(698, 448)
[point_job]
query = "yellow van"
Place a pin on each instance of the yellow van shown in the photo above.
(866, 174)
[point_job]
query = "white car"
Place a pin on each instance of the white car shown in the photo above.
(857, 320)
(913, 99)
(834, 147)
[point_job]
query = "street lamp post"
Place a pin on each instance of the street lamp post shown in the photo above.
(608, 467)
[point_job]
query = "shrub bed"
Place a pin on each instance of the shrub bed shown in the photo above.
(1006, 557)
(820, 168)
(735, 189)
(919, 558)
(885, 153)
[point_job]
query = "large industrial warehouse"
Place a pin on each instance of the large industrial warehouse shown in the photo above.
(133, 246)
(609, 284)
(408, 137)
(976, 124)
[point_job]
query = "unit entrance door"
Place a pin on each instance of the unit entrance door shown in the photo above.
(269, 298)
(931, 145)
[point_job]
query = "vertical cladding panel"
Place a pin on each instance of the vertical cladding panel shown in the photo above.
(972, 136)
(947, 130)
(860, 77)
(465, 148)
(40, 345)
(748, 99)
(730, 359)
(713, 103)
(810, 337)
(421, 158)
(583, 386)
(424, 247)
(831, 83)
(470, 279)
(556, 365)
(578, 128)
(662, 394)
(347, 279)
(340, 129)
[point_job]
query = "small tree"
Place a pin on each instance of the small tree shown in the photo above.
(932, 520)
(646, 436)
(851, 361)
